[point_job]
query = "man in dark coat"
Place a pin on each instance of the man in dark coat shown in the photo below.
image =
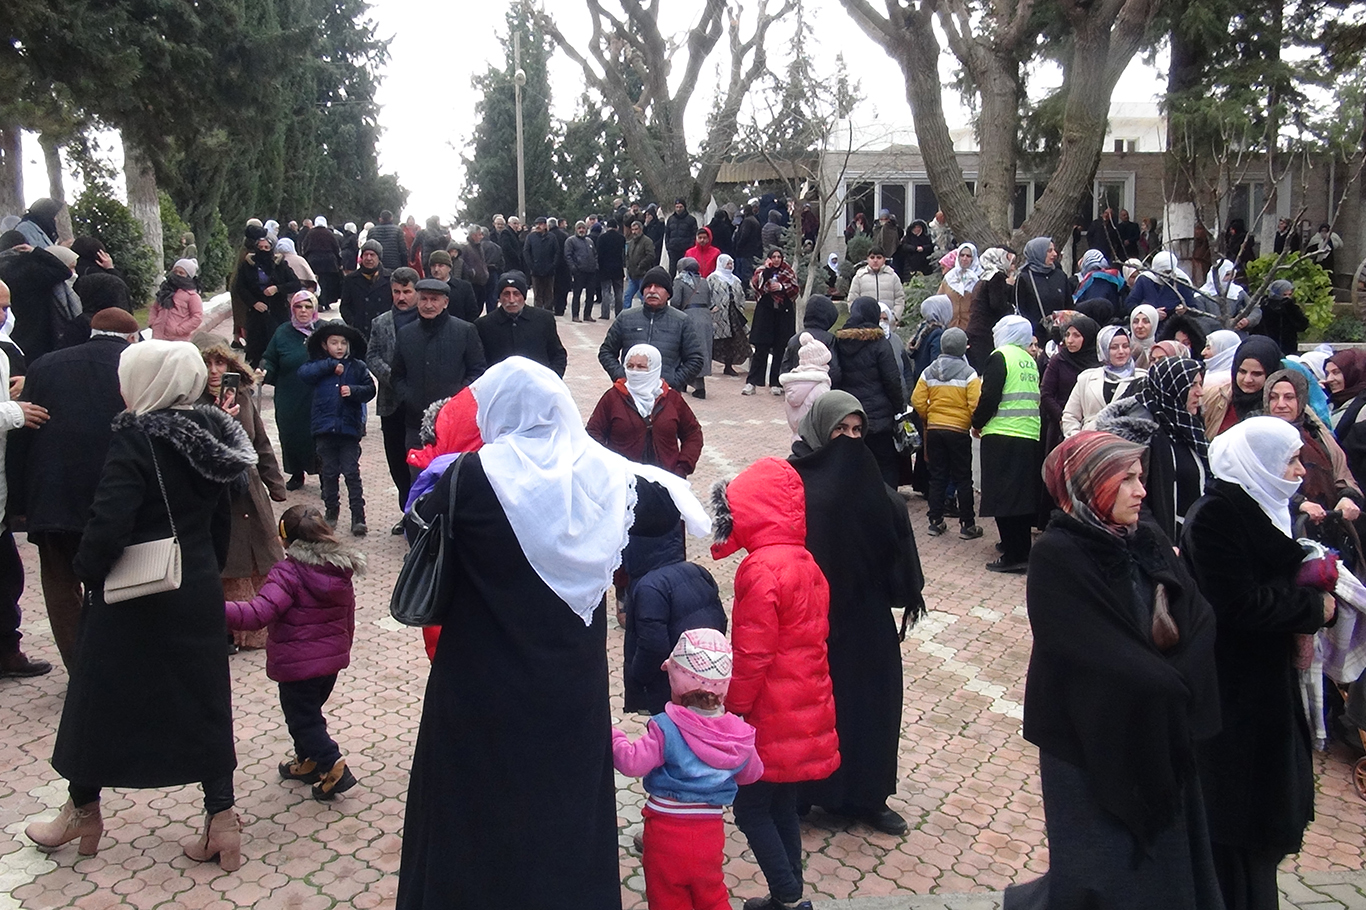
(611, 268)
(322, 251)
(379, 357)
(1282, 318)
(680, 232)
(564, 276)
(393, 246)
(658, 324)
(365, 292)
(749, 245)
(32, 276)
(57, 466)
(505, 235)
(541, 255)
(514, 329)
(434, 357)
(582, 255)
(1101, 235)
(463, 302)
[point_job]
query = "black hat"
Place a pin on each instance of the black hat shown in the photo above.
(513, 279)
(660, 276)
(254, 234)
(328, 328)
(436, 285)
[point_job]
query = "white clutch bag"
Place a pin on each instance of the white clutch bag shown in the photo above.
(146, 568)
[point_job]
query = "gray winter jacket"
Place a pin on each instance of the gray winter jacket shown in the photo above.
(581, 254)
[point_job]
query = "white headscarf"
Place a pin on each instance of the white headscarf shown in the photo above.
(1227, 287)
(645, 386)
(286, 246)
(1012, 330)
(963, 280)
(1224, 343)
(1254, 454)
(1166, 265)
(833, 261)
(993, 260)
(937, 309)
(1103, 339)
(570, 501)
(885, 320)
(154, 375)
(320, 221)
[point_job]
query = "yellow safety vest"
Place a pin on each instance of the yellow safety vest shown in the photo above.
(1018, 413)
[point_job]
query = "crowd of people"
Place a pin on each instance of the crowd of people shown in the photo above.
(1121, 411)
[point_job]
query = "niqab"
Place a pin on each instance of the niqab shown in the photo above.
(825, 414)
(645, 386)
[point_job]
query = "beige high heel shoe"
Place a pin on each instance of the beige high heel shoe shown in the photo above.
(72, 822)
(222, 838)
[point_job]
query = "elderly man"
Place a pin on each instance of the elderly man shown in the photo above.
(379, 357)
(58, 465)
(435, 356)
(583, 268)
(514, 329)
(483, 264)
(365, 292)
(658, 324)
(463, 303)
(506, 236)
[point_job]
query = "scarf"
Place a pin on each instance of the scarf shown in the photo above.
(1164, 395)
(570, 501)
(963, 280)
(1220, 282)
(1266, 352)
(1169, 348)
(1083, 475)
(1084, 358)
(154, 375)
(1014, 330)
(1165, 270)
(994, 260)
(1221, 346)
(937, 309)
(825, 414)
(1103, 338)
(1352, 364)
(1145, 345)
(306, 327)
(1036, 255)
(645, 386)
(1254, 455)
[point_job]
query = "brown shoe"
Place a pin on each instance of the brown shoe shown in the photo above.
(222, 838)
(72, 822)
(15, 663)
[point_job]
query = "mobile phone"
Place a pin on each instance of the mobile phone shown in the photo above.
(227, 390)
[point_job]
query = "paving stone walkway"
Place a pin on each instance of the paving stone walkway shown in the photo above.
(969, 784)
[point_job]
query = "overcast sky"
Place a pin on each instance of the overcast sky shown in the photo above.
(427, 104)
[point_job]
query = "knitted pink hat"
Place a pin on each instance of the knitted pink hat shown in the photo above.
(700, 660)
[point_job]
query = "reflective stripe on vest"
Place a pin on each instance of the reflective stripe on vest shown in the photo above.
(1018, 413)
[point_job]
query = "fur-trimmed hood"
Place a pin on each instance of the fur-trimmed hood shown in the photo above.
(869, 334)
(1127, 418)
(427, 432)
(321, 553)
(221, 458)
(764, 505)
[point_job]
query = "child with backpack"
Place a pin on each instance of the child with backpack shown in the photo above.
(693, 757)
(780, 682)
(343, 385)
(308, 605)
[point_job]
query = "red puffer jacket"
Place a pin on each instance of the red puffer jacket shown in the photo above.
(309, 605)
(673, 429)
(780, 682)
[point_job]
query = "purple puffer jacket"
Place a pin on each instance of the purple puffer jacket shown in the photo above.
(310, 607)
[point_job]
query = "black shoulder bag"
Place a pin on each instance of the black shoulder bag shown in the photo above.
(424, 583)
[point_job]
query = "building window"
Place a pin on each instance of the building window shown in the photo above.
(1020, 208)
(926, 203)
(859, 199)
(1111, 194)
(1245, 203)
(893, 199)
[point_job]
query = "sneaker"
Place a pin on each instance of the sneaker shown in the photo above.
(338, 779)
(970, 532)
(1008, 568)
(937, 528)
(304, 769)
(748, 389)
(776, 390)
(358, 529)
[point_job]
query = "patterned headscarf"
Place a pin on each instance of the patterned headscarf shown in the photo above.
(1084, 473)
(994, 259)
(1165, 393)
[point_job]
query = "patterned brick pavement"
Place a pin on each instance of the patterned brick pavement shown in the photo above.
(969, 786)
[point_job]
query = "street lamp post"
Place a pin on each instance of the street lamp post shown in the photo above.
(519, 80)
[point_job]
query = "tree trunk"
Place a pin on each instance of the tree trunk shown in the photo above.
(11, 169)
(56, 184)
(1000, 117)
(143, 202)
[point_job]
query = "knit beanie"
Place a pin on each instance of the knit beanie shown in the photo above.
(373, 246)
(512, 279)
(439, 257)
(190, 266)
(700, 660)
(813, 355)
(953, 342)
(660, 276)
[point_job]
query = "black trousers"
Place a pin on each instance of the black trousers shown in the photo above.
(1014, 531)
(218, 795)
(759, 364)
(393, 429)
(949, 457)
(543, 291)
(339, 456)
(767, 815)
(329, 288)
(11, 588)
(302, 701)
(585, 286)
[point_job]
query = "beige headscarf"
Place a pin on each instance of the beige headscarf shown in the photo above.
(154, 375)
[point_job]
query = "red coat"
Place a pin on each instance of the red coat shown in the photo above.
(673, 427)
(780, 680)
(706, 256)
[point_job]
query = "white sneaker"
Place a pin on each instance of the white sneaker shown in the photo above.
(748, 389)
(776, 390)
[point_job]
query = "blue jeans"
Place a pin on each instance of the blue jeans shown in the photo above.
(632, 289)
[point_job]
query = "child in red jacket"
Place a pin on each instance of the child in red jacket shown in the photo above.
(309, 605)
(780, 682)
(692, 756)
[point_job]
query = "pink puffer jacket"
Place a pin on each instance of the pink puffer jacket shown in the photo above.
(309, 606)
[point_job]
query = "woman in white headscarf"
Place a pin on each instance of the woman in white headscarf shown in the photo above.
(1101, 385)
(1007, 420)
(1225, 297)
(1142, 334)
(1238, 543)
(959, 284)
(538, 520)
(643, 418)
(1165, 286)
(150, 699)
(730, 337)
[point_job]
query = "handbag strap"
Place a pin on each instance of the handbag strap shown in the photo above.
(156, 466)
(455, 478)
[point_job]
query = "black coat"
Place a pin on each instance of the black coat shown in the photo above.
(463, 305)
(434, 358)
(533, 334)
(150, 699)
(749, 242)
(510, 646)
(869, 372)
(655, 231)
(321, 250)
(1282, 321)
(390, 237)
(1038, 295)
(31, 277)
(1258, 774)
(820, 317)
(58, 465)
(672, 334)
(511, 244)
(363, 298)
(611, 255)
(680, 232)
(992, 299)
(541, 253)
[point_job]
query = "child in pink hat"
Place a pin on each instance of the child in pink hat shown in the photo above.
(693, 758)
